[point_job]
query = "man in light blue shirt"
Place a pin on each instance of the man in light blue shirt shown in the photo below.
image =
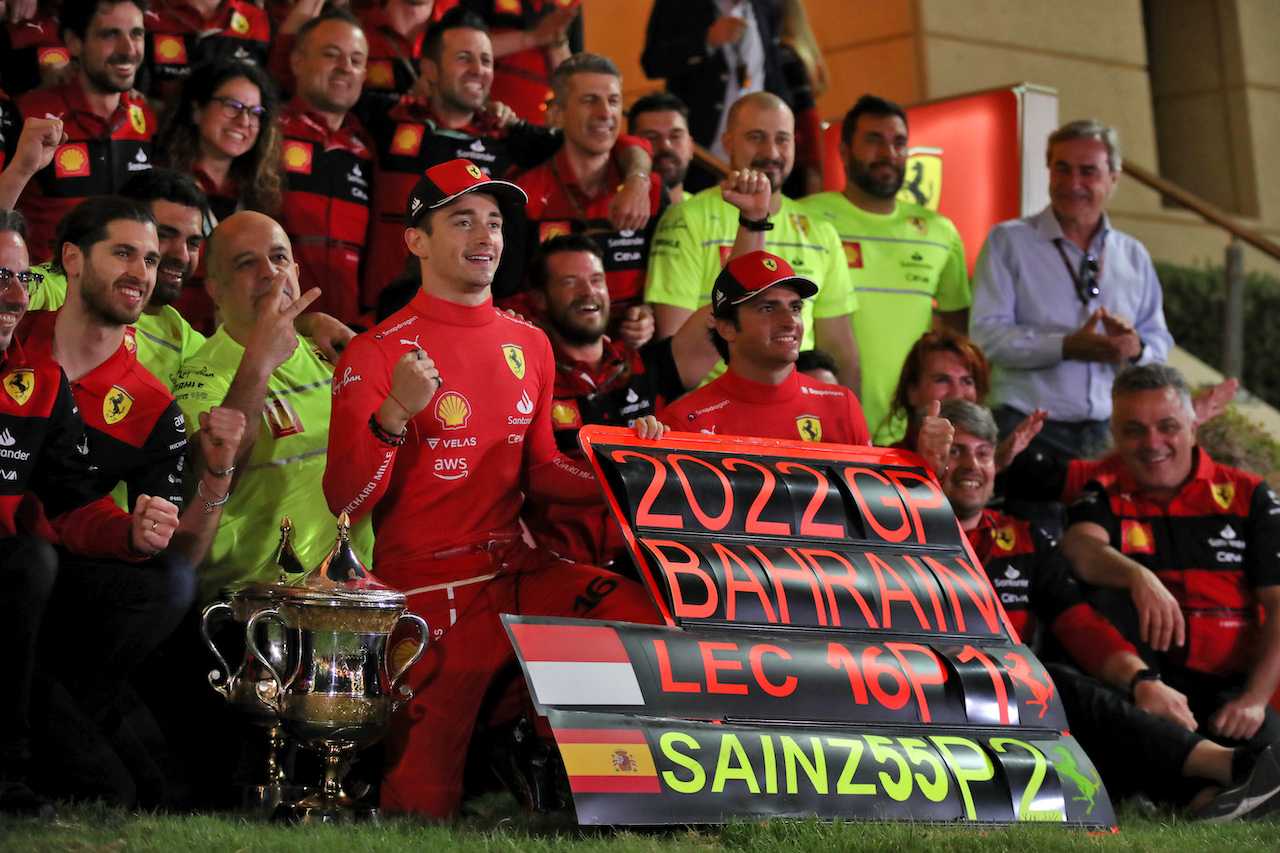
(1063, 302)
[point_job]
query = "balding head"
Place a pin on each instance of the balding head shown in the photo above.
(245, 254)
(760, 133)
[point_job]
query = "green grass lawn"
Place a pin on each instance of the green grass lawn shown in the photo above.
(495, 826)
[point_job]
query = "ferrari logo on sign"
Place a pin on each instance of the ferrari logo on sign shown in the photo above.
(1223, 494)
(116, 405)
(1005, 537)
(770, 264)
(515, 359)
(297, 156)
(72, 161)
(810, 427)
(1136, 538)
(474, 171)
(922, 183)
(20, 384)
(407, 140)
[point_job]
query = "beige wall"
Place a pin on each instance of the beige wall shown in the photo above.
(1094, 52)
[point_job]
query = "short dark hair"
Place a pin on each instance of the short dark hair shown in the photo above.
(13, 222)
(1152, 377)
(581, 63)
(456, 18)
(656, 102)
(815, 359)
(871, 105)
(561, 244)
(85, 225)
(166, 185)
(729, 313)
(74, 15)
(330, 13)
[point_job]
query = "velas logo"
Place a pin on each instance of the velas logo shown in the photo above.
(19, 385)
(514, 356)
(1223, 494)
(809, 427)
(770, 264)
(1136, 537)
(452, 410)
(297, 156)
(71, 161)
(407, 139)
(170, 50)
(116, 405)
(474, 171)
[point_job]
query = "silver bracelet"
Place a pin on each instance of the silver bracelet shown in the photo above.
(230, 469)
(208, 504)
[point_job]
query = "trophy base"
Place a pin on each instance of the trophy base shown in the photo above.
(319, 809)
(266, 799)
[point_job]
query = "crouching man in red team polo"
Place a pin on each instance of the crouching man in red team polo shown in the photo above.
(441, 420)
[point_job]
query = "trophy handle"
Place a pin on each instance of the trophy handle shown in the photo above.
(206, 620)
(249, 630)
(424, 633)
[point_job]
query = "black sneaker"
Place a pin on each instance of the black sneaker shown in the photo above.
(526, 767)
(1258, 795)
(17, 798)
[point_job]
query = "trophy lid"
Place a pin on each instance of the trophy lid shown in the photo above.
(341, 568)
(286, 559)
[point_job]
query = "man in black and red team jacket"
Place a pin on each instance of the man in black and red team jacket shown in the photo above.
(600, 381)
(101, 584)
(328, 162)
(108, 129)
(1139, 732)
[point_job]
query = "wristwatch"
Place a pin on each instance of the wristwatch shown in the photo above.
(1143, 675)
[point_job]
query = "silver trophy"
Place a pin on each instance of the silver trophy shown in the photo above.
(339, 692)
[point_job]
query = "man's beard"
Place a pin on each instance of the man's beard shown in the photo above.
(575, 333)
(677, 177)
(864, 179)
(94, 298)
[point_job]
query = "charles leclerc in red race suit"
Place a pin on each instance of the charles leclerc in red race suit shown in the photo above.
(446, 494)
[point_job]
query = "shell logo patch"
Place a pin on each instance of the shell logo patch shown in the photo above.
(281, 418)
(1223, 494)
(72, 161)
(378, 73)
(116, 405)
(547, 230)
(1136, 538)
(171, 49)
(297, 156)
(407, 140)
(1005, 537)
(853, 254)
(50, 56)
(474, 171)
(20, 384)
(452, 410)
(507, 7)
(515, 359)
(770, 264)
(564, 414)
(239, 23)
(809, 427)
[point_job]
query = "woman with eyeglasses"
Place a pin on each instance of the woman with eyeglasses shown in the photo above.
(220, 128)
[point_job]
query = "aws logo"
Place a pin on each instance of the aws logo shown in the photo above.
(454, 468)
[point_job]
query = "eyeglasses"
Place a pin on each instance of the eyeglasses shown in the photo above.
(1087, 281)
(29, 281)
(233, 109)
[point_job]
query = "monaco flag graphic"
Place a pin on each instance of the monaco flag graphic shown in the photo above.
(579, 665)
